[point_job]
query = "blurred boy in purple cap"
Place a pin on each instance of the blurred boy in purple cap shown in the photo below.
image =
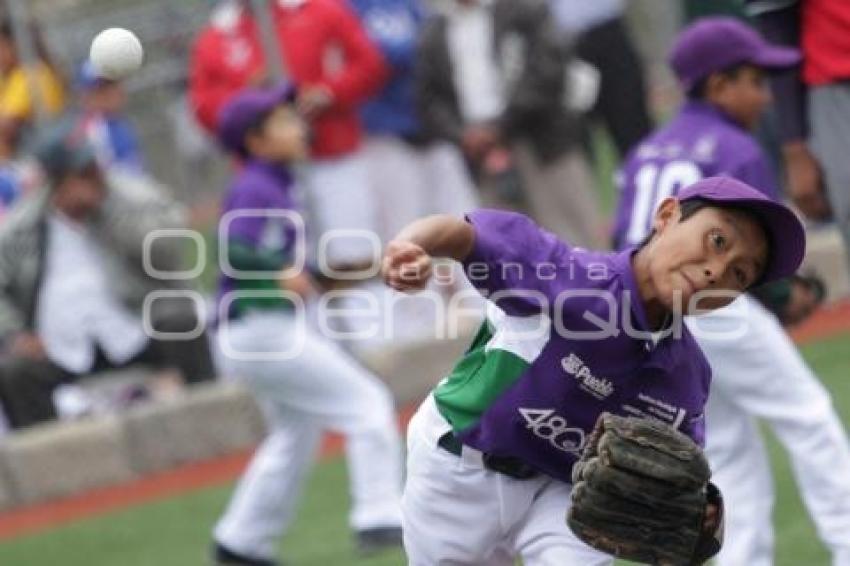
(570, 334)
(304, 382)
(757, 372)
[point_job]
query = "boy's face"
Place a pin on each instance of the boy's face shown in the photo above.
(715, 254)
(281, 138)
(744, 96)
(108, 97)
(80, 194)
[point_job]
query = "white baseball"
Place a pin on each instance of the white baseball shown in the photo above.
(116, 53)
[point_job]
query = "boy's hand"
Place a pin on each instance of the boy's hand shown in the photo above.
(805, 182)
(300, 284)
(28, 345)
(478, 140)
(406, 266)
(259, 78)
(313, 100)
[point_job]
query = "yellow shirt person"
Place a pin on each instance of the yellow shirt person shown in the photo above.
(16, 100)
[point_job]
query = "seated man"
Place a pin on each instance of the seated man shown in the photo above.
(73, 282)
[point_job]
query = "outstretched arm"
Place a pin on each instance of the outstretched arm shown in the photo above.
(407, 259)
(507, 257)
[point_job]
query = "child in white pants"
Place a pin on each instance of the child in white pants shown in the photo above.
(303, 382)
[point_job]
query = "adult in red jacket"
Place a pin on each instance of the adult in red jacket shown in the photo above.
(328, 55)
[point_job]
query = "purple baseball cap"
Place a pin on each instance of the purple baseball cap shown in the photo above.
(785, 232)
(716, 43)
(246, 110)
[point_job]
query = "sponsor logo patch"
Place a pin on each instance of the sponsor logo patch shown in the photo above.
(599, 387)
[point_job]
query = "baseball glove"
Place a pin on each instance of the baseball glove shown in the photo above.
(641, 492)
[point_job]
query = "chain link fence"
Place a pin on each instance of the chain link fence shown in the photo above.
(176, 150)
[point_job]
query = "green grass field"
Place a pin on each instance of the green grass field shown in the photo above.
(175, 532)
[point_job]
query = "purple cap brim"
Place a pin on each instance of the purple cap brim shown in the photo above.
(776, 58)
(784, 230)
(787, 238)
(713, 44)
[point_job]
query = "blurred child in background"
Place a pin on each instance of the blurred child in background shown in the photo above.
(17, 84)
(104, 121)
(303, 382)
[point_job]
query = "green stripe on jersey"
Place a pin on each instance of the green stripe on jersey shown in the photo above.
(501, 352)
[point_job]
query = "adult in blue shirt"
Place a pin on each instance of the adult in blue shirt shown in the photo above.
(412, 174)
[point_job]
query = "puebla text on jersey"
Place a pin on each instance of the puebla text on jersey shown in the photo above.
(565, 339)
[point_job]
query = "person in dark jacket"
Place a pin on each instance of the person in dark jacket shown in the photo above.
(601, 38)
(79, 285)
(813, 104)
(491, 74)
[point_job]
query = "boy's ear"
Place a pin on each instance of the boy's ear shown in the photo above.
(713, 84)
(254, 143)
(668, 212)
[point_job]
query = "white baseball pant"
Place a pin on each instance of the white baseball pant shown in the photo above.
(320, 388)
(759, 374)
(456, 512)
(410, 182)
(342, 210)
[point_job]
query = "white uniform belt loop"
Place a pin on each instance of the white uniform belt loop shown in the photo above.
(471, 457)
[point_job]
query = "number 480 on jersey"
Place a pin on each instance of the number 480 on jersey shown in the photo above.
(550, 426)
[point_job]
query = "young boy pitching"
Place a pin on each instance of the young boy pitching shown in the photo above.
(757, 371)
(303, 382)
(572, 334)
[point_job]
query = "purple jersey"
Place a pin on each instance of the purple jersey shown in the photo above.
(257, 234)
(565, 339)
(699, 142)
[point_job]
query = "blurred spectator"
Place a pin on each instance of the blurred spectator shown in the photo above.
(227, 56)
(695, 9)
(412, 174)
(107, 128)
(304, 382)
(19, 174)
(16, 83)
(601, 39)
(73, 281)
(493, 74)
(334, 67)
(813, 104)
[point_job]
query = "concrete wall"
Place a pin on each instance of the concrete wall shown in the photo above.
(66, 458)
